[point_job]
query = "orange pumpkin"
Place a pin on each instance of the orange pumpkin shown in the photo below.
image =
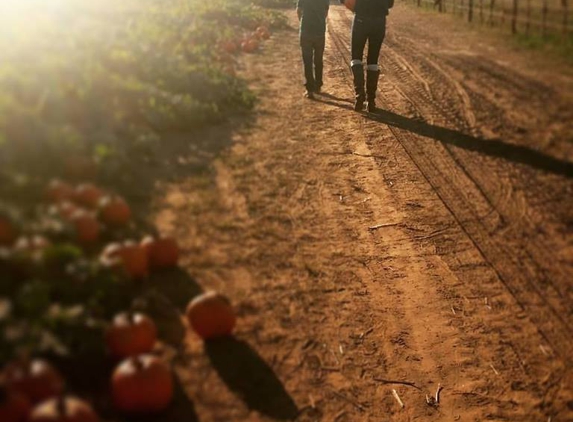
(86, 226)
(64, 210)
(8, 232)
(162, 252)
(211, 315)
(263, 32)
(58, 190)
(33, 243)
(31, 246)
(14, 406)
(36, 379)
(114, 211)
(249, 45)
(64, 409)
(142, 384)
(88, 195)
(229, 46)
(130, 334)
(134, 260)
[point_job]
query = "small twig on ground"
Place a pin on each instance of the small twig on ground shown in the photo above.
(398, 399)
(453, 310)
(408, 383)
(340, 415)
(430, 401)
(494, 370)
(365, 333)
(440, 388)
(379, 226)
(312, 402)
(368, 155)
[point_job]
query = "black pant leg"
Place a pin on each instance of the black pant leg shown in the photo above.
(359, 36)
(376, 33)
(318, 60)
(307, 60)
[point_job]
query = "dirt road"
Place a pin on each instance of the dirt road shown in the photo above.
(430, 244)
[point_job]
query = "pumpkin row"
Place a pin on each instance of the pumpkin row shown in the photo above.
(33, 390)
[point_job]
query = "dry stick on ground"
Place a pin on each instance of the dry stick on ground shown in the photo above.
(365, 333)
(398, 399)
(440, 388)
(379, 226)
(408, 383)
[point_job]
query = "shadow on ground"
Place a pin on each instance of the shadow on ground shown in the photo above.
(176, 157)
(491, 147)
(165, 296)
(251, 378)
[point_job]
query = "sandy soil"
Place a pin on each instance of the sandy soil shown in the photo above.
(428, 245)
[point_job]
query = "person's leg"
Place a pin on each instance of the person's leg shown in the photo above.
(358, 41)
(318, 66)
(376, 37)
(307, 53)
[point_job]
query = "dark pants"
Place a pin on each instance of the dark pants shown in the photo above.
(371, 30)
(312, 51)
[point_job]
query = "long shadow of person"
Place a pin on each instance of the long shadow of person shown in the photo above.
(491, 147)
(251, 378)
(333, 97)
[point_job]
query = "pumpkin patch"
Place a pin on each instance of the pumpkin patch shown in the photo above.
(36, 379)
(162, 252)
(211, 315)
(78, 298)
(142, 384)
(64, 409)
(130, 334)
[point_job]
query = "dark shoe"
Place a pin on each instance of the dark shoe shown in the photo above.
(318, 89)
(372, 106)
(358, 74)
(371, 87)
(309, 95)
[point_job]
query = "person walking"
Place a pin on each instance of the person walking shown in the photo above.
(312, 16)
(369, 24)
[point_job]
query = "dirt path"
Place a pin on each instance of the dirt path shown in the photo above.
(430, 244)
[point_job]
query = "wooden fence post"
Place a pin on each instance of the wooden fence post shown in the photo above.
(514, 17)
(470, 10)
(565, 4)
(528, 21)
(544, 11)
